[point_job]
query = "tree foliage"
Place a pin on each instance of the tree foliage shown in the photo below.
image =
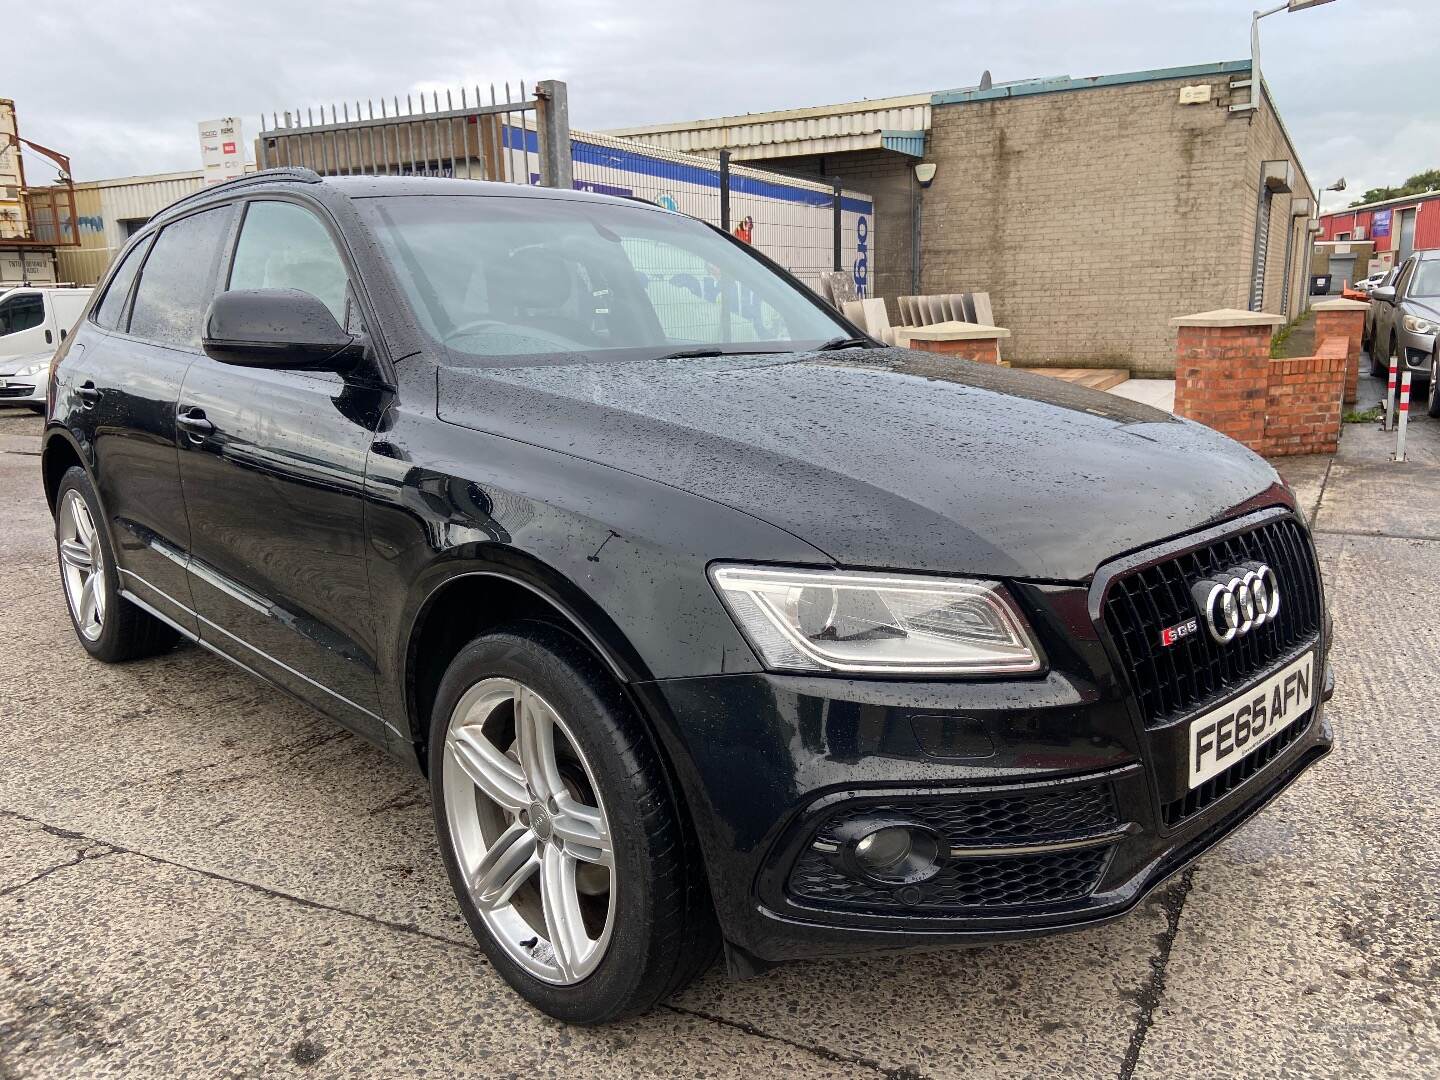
(1429, 180)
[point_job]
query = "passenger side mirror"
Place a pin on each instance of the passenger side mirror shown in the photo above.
(1383, 292)
(277, 328)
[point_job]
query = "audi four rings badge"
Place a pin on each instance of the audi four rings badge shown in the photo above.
(1236, 602)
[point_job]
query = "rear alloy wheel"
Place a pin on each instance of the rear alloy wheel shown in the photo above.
(566, 850)
(109, 626)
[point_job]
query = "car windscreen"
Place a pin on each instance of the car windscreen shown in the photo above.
(1426, 280)
(495, 276)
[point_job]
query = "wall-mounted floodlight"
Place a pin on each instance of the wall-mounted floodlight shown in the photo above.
(925, 173)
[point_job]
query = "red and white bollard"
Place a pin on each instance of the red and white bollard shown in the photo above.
(1390, 396)
(1404, 416)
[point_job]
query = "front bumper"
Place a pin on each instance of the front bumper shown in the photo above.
(848, 746)
(21, 391)
(768, 763)
(1415, 351)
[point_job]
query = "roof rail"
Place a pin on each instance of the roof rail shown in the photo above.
(293, 173)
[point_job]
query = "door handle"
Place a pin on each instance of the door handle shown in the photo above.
(194, 422)
(88, 394)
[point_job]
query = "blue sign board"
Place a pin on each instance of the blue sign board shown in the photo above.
(1380, 223)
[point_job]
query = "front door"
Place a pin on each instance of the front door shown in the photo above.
(272, 463)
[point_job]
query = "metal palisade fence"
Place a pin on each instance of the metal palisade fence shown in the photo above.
(516, 138)
(812, 227)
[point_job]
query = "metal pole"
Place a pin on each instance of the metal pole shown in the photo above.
(835, 229)
(1404, 417)
(1390, 396)
(725, 190)
(552, 113)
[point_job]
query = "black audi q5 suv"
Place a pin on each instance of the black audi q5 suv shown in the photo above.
(713, 623)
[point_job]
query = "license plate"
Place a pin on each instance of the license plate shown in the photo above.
(1223, 736)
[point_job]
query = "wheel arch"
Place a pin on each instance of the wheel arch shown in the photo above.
(59, 454)
(473, 595)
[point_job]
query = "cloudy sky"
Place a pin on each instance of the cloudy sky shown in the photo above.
(120, 84)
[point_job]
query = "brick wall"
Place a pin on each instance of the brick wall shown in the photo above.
(981, 350)
(1221, 379)
(1091, 215)
(1302, 405)
(1225, 379)
(1347, 323)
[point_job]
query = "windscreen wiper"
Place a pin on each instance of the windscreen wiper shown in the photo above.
(843, 343)
(686, 354)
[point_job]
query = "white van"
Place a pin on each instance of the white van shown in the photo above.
(33, 320)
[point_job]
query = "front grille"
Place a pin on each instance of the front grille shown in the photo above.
(1171, 681)
(1217, 787)
(16, 391)
(965, 883)
(1009, 881)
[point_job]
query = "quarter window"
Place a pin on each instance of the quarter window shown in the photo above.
(23, 312)
(284, 246)
(174, 289)
(111, 312)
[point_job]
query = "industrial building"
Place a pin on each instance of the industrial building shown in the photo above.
(1362, 239)
(1092, 210)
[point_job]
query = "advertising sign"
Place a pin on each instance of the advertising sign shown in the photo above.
(222, 149)
(1380, 223)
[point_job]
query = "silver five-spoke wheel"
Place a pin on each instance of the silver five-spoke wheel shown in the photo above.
(82, 565)
(529, 830)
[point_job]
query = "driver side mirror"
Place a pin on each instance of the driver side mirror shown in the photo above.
(1383, 292)
(278, 328)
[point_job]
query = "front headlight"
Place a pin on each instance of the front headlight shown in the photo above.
(822, 620)
(29, 371)
(1416, 325)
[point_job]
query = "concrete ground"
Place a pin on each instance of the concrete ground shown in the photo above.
(200, 877)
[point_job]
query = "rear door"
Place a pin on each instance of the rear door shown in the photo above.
(273, 464)
(122, 391)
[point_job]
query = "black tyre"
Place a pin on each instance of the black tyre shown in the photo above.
(568, 855)
(107, 625)
(1377, 362)
(1432, 393)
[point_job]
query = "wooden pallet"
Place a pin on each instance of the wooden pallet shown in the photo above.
(1095, 378)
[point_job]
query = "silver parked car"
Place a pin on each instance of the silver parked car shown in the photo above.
(23, 379)
(1405, 317)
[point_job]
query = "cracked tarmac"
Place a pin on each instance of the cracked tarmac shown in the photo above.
(201, 877)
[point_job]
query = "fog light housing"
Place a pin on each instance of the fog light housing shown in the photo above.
(897, 854)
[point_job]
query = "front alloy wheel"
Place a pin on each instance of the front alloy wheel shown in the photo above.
(1432, 401)
(567, 851)
(530, 833)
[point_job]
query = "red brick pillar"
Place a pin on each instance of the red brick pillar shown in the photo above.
(1343, 319)
(1222, 371)
(965, 341)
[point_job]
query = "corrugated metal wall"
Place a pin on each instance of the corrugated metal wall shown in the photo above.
(104, 206)
(785, 134)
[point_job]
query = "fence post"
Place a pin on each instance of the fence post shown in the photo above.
(1404, 416)
(725, 190)
(836, 229)
(552, 115)
(1390, 396)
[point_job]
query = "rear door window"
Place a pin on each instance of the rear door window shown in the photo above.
(176, 282)
(23, 312)
(111, 311)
